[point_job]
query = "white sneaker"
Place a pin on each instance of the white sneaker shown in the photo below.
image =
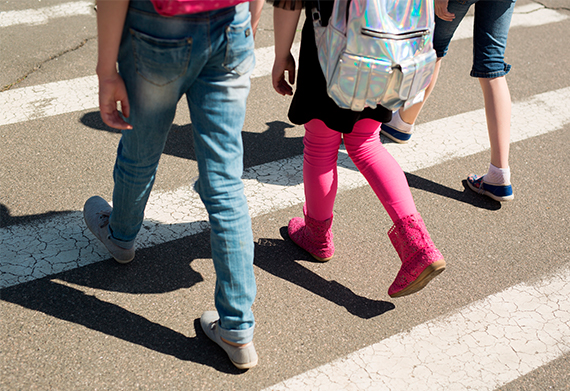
(96, 212)
(243, 357)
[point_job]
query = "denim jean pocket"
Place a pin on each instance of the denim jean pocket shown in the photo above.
(239, 52)
(160, 61)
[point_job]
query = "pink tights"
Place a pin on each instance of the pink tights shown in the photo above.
(363, 145)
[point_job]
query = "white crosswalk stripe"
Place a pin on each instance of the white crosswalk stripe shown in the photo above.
(43, 15)
(481, 347)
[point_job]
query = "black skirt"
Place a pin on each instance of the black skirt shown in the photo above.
(311, 100)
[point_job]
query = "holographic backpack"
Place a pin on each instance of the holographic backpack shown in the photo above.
(376, 52)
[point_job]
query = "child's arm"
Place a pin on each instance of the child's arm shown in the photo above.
(111, 16)
(255, 7)
(284, 24)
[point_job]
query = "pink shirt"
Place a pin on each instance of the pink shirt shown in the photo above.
(179, 7)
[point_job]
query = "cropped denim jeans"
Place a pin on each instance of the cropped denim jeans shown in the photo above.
(209, 58)
(491, 27)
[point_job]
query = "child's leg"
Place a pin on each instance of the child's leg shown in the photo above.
(491, 29)
(319, 169)
(380, 169)
(496, 183)
(421, 260)
(313, 232)
(442, 35)
(498, 113)
(492, 21)
(217, 103)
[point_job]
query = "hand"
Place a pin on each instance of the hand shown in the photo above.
(442, 12)
(278, 75)
(112, 90)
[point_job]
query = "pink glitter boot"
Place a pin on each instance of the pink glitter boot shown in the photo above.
(421, 261)
(313, 236)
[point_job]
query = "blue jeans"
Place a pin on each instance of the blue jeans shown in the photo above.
(209, 58)
(492, 21)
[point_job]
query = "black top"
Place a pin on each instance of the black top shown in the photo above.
(311, 100)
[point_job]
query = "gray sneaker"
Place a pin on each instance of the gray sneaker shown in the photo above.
(96, 212)
(243, 357)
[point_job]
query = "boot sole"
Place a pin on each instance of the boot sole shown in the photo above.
(426, 276)
(319, 258)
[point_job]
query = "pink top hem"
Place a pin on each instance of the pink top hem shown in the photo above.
(180, 7)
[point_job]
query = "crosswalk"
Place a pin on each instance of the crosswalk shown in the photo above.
(481, 347)
(484, 345)
(63, 242)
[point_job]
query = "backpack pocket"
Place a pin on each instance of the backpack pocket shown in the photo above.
(359, 82)
(416, 75)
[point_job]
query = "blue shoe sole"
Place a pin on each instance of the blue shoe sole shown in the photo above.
(499, 193)
(395, 135)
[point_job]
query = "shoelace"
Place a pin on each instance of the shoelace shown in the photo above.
(104, 218)
(481, 190)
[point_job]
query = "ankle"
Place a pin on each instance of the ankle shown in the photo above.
(498, 175)
(399, 123)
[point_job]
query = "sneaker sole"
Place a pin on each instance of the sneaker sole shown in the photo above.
(489, 194)
(249, 365)
(423, 279)
(394, 139)
(385, 130)
(124, 261)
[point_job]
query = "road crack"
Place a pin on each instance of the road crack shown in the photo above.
(553, 8)
(40, 65)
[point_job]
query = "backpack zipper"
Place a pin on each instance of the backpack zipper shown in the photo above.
(400, 36)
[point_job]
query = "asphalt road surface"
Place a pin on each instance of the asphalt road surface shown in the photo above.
(73, 319)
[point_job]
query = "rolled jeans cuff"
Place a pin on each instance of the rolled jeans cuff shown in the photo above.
(120, 243)
(237, 336)
(491, 75)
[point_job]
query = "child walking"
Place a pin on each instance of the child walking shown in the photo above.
(326, 126)
(492, 21)
(164, 50)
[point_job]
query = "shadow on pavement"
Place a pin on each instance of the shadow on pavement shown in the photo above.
(259, 148)
(292, 271)
(467, 196)
(7, 220)
(162, 268)
(272, 145)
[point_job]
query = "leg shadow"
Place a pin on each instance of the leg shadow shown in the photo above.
(61, 297)
(7, 220)
(292, 271)
(72, 305)
(467, 196)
